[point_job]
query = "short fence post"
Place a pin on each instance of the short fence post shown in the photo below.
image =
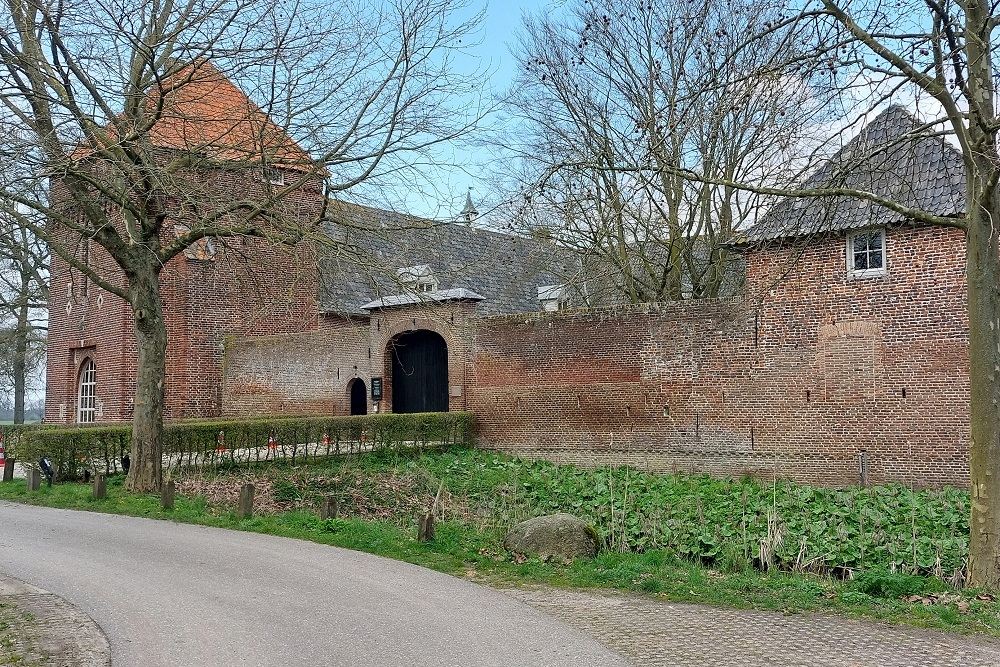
(167, 495)
(8, 470)
(34, 480)
(246, 501)
(100, 486)
(330, 508)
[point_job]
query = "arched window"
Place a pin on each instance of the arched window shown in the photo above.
(86, 398)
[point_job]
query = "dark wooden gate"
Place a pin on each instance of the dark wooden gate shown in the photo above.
(359, 397)
(419, 372)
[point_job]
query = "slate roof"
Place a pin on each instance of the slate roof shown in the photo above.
(891, 157)
(369, 246)
(454, 294)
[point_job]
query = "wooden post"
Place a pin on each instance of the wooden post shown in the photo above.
(8, 470)
(100, 486)
(245, 510)
(330, 509)
(425, 532)
(34, 479)
(167, 494)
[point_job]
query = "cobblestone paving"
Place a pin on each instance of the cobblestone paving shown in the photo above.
(62, 635)
(651, 632)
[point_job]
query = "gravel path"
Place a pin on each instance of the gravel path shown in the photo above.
(651, 632)
(46, 631)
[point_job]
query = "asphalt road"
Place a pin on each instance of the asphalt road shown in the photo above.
(174, 594)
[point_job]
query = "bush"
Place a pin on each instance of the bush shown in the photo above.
(229, 442)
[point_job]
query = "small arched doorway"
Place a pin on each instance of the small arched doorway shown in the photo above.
(419, 372)
(359, 397)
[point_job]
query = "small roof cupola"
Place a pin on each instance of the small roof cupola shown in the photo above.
(469, 212)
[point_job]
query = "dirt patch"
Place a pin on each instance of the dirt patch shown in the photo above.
(384, 496)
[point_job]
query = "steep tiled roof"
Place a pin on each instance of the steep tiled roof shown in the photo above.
(203, 111)
(369, 245)
(891, 157)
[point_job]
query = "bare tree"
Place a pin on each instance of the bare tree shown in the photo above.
(23, 298)
(92, 96)
(617, 99)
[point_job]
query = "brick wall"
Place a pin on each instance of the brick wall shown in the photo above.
(813, 376)
(305, 373)
(311, 373)
(237, 287)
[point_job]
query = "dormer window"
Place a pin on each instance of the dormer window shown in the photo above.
(552, 298)
(274, 176)
(418, 278)
(866, 253)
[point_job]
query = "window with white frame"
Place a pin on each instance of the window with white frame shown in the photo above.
(86, 398)
(866, 253)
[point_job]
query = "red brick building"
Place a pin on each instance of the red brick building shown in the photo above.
(844, 360)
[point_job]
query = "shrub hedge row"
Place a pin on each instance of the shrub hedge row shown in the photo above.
(217, 442)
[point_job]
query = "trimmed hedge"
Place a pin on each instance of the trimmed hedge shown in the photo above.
(218, 442)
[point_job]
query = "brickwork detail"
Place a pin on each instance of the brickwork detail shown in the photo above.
(306, 373)
(813, 376)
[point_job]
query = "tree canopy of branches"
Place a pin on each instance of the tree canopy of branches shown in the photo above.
(23, 298)
(616, 99)
(96, 101)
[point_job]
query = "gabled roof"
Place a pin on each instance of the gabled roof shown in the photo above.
(369, 245)
(200, 110)
(891, 157)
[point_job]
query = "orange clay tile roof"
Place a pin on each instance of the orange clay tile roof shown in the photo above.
(205, 112)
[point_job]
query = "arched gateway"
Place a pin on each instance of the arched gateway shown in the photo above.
(419, 374)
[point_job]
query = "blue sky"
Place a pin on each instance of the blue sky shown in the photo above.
(492, 54)
(499, 32)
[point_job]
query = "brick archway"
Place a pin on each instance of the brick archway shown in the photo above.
(447, 320)
(417, 371)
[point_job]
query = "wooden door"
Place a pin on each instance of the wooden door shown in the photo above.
(419, 372)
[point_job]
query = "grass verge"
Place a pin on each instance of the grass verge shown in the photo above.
(382, 493)
(18, 641)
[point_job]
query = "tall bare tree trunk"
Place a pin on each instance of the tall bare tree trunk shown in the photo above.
(983, 262)
(20, 357)
(146, 473)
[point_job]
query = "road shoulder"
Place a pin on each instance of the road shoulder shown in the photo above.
(39, 629)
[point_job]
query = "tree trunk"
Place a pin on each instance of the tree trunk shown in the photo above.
(20, 358)
(146, 472)
(983, 271)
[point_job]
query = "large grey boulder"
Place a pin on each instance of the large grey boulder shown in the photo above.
(561, 536)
